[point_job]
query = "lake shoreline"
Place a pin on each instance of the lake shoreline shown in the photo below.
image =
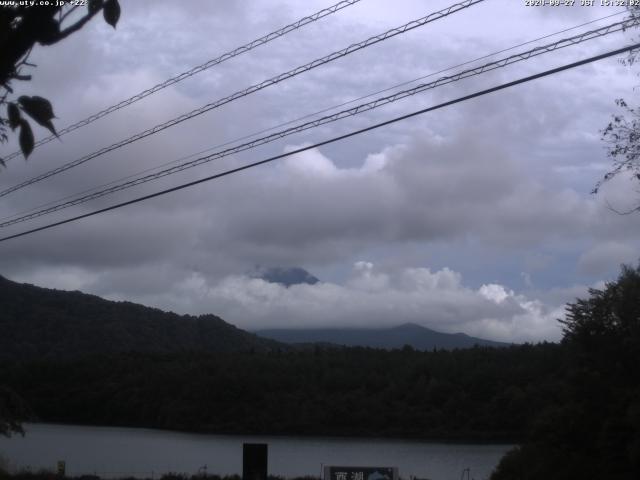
(47, 475)
(115, 452)
(449, 440)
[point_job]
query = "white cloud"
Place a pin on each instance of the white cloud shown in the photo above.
(481, 187)
(373, 297)
(494, 292)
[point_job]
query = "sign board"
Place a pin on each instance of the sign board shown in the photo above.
(360, 473)
(254, 461)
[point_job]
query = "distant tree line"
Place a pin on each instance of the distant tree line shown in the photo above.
(481, 394)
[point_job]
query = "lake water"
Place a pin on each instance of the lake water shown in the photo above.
(113, 452)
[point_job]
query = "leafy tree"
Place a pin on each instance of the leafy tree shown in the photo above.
(609, 317)
(593, 431)
(21, 28)
(622, 134)
(12, 412)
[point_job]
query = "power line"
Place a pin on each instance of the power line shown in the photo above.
(309, 115)
(331, 140)
(195, 70)
(501, 63)
(252, 89)
(337, 116)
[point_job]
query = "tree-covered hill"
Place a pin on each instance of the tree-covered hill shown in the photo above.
(591, 431)
(41, 323)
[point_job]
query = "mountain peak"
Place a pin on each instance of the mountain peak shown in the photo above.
(410, 327)
(287, 276)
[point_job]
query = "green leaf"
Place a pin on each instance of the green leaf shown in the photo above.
(26, 138)
(111, 12)
(14, 115)
(49, 126)
(40, 110)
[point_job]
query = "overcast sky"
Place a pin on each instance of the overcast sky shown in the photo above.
(475, 218)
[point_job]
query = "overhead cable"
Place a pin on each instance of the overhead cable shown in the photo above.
(309, 115)
(195, 70)
(252, 89)
(566, 42)
(329, 141)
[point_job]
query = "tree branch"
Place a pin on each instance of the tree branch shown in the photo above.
(625, 212)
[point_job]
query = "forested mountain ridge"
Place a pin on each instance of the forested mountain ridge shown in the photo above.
(416, 336)
(41, 323)
(477, 394)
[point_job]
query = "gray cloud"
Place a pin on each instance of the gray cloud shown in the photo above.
(491, 188)
(600, 259)
(373, 297)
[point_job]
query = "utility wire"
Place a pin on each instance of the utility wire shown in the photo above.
(574, 40)
(331, 140)
(252, 89)
(309, 115)
(195, 70)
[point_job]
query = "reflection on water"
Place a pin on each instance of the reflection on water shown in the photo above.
(145, 453)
